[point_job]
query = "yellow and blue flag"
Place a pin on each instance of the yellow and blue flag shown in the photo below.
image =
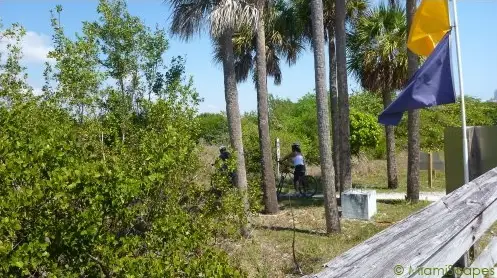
(429, 25)
(431, 85)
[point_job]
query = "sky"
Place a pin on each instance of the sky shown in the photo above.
(478, 38)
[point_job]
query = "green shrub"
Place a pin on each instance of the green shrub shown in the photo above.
(112, 194)
(365, 132)
(71, 206)
(213, 128)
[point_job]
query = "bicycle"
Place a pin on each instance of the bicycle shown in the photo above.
(307, 185)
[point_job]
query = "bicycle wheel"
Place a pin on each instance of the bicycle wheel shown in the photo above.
(281, 183)
(308, 186)
(279, 188)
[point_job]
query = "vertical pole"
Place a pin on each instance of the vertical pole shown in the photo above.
(277, 158)
(430, 169)
(464, 261)
(461, 90)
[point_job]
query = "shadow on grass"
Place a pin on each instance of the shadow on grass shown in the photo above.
(392, 202)
(278, 228)
(354, 185)
(362, 186)
(297, 202)
(302, 202)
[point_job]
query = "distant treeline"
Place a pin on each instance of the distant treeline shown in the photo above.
(296, 121)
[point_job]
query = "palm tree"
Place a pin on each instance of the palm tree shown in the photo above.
(354, 9)
(283, 41)
(343, 97)
(378, 60)
(223, 17)
(271, 40)
(327, 171)
(412, 122)
(268, 180)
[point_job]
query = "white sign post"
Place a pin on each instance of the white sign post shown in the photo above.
(277, 157)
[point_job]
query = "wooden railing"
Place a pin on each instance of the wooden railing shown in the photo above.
(428, 242)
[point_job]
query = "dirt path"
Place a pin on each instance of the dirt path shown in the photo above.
(424, 196)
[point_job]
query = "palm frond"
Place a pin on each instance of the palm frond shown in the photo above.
(377, 49)
(232, 15)
(189, 17)
(284, 32)
(217, 51)
(244, 64)
(273, 65)
(243, 50)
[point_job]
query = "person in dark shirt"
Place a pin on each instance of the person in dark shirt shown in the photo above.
(224, 156)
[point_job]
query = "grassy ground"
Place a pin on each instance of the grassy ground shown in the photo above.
(268, 253)
(372, 174)
(366, 173)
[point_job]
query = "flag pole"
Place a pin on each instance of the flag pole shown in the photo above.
(461, 90)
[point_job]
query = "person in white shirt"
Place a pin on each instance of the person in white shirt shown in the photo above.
(298, 162)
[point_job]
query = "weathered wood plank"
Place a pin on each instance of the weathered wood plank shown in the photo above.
(462, 241)
(424, 237)
(487, 259)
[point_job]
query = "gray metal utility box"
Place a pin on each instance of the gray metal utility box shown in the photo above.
(482, 150)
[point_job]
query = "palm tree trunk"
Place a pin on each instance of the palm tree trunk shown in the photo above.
(334, 103)
(343, 96)
(390, 135)
(268, 181)
(235, 124)
(412, 122)
(327, 171)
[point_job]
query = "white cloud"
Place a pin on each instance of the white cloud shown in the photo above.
(35, 47)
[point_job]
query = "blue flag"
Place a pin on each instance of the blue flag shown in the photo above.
(431, 85)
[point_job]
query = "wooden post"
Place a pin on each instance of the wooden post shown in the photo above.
(463, 262)
(430, 169)
(277, 158)
(486, 259)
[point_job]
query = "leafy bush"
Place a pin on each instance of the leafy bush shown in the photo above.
(433, 120)
(296, 122)
(102, 182)
(251, 145)
(213, 128)
(71, 206)
(365, 132)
